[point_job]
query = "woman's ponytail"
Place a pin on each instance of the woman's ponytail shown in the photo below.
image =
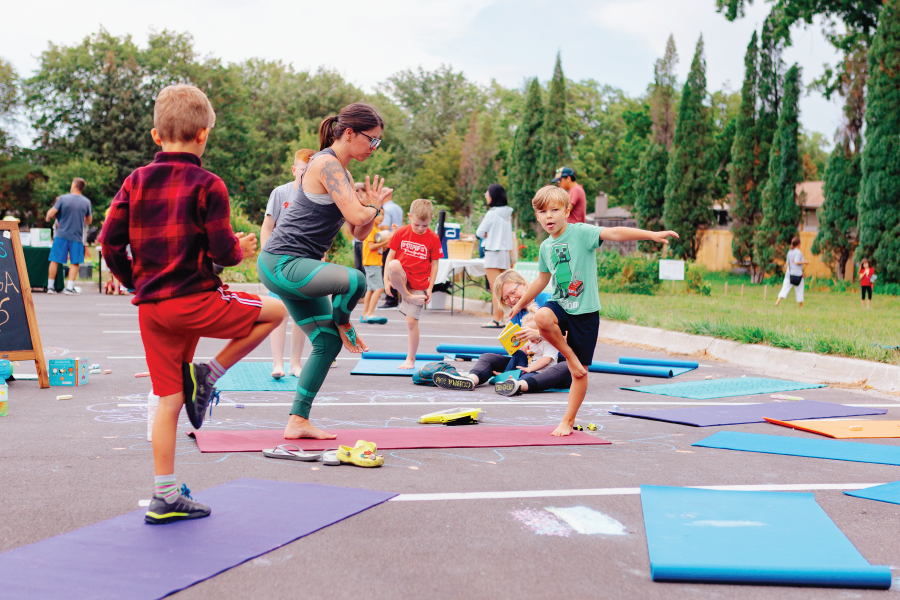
(326, 132)
(356, 117)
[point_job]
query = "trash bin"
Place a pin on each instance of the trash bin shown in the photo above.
(451, 232)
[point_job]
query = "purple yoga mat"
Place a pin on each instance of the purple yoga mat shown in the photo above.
(708, 416)
(125, 558)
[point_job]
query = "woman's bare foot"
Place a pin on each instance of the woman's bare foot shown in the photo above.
(577, 370)
(295, 371)
(407, 364)
(359, 346)
(562, 429)
(277, 373)
(298, 427)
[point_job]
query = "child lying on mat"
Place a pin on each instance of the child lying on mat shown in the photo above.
(411, 267)
(570, 321)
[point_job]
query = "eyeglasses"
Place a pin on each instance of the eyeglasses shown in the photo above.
(374, 142)
(506, 300)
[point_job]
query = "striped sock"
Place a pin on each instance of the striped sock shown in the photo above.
(166, 488)
(215, 371)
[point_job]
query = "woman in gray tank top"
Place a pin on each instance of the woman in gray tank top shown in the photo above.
(319, 295)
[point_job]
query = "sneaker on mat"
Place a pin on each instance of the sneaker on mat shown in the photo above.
(197, 392)
(510, 387)
(184, 508)
(448, 381)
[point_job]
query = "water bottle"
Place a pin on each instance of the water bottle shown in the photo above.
(152, 405)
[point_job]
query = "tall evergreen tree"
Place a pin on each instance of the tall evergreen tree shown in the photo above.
(631, 147)
(781, 214)
(746, 210)
(687, 204)
(556, 134)
(649, 192)
(664, 96)
(879, 193)
(525, 171)
(771, 68)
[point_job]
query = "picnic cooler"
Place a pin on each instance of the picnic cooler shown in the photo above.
(460, 249)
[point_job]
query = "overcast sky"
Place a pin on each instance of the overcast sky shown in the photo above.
(611, 41)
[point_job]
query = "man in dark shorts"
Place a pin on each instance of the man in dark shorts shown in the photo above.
(73, 212)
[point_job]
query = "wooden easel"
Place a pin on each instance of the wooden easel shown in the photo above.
(19, 335)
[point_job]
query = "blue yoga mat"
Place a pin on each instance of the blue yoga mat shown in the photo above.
(401, 356)
(125, 558)
(386, 367)
(254, 377)
(889, 492)
(470, 350)
(724, 388)
(658, 362)
(798, 446)
(773, 538)
(639, 370)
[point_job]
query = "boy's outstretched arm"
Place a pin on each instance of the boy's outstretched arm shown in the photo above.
(633, 234)
(114, 237)
(536, 287)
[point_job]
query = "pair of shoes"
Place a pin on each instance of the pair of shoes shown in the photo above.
(73, 291)
(510, 387)
(184, 508)
(363, 319)
(363, 454)
(197, 392)
(494, 324)
(51, 290)
(448, 381)
(375, 320)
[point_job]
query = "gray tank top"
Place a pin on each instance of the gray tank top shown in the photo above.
(310, 224)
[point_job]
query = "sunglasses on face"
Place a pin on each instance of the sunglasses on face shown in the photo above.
(374, 142)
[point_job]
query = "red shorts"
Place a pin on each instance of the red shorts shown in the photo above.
(170, 330)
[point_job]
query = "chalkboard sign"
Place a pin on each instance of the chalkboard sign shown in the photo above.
(19, 336)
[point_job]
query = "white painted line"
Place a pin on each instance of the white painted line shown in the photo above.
(134, 314)
(623, 491)
(509, 403)
(136, 331)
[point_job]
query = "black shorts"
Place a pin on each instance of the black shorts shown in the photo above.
(582, 329)
(866, 289)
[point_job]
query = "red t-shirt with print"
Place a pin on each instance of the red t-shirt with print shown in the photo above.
(415, 252)
(865, 276)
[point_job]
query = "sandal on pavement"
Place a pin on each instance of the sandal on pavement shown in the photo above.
(494, 324)
(292, 452)
(361, 455)
(329, 457)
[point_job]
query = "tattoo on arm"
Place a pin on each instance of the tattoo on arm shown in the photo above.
(334, 178)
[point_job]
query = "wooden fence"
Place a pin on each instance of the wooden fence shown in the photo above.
(715, 254)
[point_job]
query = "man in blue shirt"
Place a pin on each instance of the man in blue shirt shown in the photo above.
(72, 212)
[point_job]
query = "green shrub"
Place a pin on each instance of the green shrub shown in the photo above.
(695, 283)
(633, 274)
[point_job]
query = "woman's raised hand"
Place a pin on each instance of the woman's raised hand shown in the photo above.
(376, 193)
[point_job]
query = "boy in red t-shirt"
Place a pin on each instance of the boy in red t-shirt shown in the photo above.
(411, 267)
(176, 216)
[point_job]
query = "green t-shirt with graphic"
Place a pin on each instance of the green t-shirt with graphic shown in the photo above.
(572, 260)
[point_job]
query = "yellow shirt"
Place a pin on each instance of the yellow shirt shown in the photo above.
(371, 258)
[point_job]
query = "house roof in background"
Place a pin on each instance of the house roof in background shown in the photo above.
(815, 194)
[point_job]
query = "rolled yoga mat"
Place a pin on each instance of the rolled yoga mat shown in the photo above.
(657, 362)
(397, 438)
(769, 538)
(400, 356)
(471, 350)
(640, 371)
(123, 557)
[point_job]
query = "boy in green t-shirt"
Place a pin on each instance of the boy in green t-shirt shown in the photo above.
(570, 321)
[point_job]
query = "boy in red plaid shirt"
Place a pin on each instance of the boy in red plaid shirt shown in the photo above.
(176, 217)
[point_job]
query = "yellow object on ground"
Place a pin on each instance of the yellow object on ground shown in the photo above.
(361, 455)
(468, 415)
(64, 397)
(845, 429)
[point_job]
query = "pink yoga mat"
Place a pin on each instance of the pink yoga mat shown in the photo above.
(397, 438)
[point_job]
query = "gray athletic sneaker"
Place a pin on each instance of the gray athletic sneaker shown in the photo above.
(510, 387)
(448, 381)
(197, 392)
(184, 507)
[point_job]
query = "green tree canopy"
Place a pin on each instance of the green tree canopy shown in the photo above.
(526, 175)
(556, 135)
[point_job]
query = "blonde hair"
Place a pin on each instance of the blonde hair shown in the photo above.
(550, 196)
(181, 112)
(303, 155)
(529, 318)
(511, 276)
(422, 209)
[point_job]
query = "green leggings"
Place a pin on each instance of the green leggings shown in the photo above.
(304, 285)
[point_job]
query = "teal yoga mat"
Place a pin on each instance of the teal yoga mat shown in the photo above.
(401, 356)
(386, 367)
(639, 370)
(254, 377)
(724, 388)
(889, 492)
(768, 538)
(797, 446)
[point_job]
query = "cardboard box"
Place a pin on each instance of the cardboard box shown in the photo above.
(41, 237)
(69, 372)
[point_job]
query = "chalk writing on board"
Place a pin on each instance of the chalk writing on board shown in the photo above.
(14, 333)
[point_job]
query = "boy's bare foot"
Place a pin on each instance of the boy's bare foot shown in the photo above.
(577, 370)
(359, 346)
(415, 298)
(562, 429)
(277, 373)
(295, 371)
(407, 364)
(298, 427)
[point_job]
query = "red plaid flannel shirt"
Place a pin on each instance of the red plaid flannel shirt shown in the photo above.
(176, 217)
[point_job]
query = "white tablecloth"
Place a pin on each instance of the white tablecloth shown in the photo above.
(474, 267)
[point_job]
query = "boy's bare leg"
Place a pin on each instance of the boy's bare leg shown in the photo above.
(397, 276)
(271, 315)
(412, 327)
(366, 299)
(164, 431)
(298, 338)
(576, 396)
(278, 336)
(373, 303)
(548, 324)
